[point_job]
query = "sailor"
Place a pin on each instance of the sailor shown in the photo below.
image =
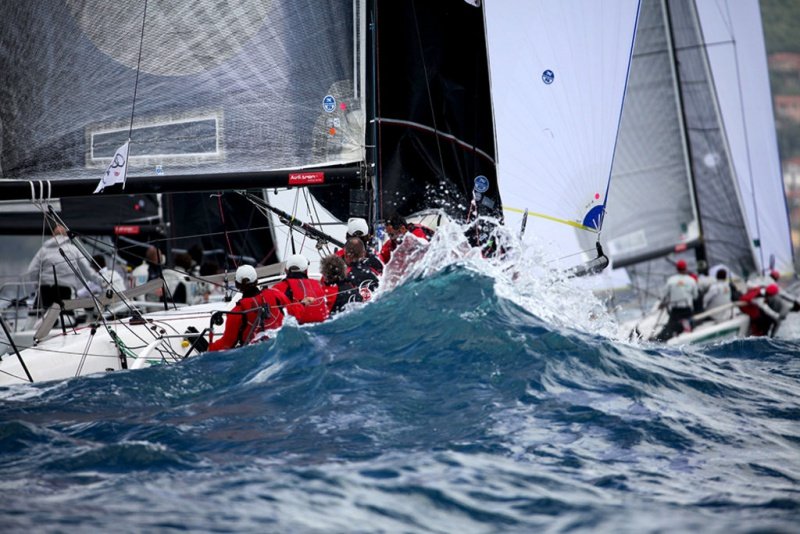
(717, 295)
(150, 269)
(59, 277)
(704, 282)
(678, 297)
(110, 279)
(357, 227)
(254, 313)
(397, 227)
(359, 272)
(764, 319)
(182, 288)
(339, 290)
(306, 295)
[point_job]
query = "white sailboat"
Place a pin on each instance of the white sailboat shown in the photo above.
(409, 155)
(697, 175)
(260, 97)
(238, 101)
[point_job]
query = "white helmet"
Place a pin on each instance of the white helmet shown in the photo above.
(357, 227)
(246, 274)
(297, 262)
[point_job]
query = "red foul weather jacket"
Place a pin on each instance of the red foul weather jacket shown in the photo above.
(296, 288)
(262, 313)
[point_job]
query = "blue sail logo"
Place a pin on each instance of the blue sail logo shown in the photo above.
(548, 76)
(481, 184)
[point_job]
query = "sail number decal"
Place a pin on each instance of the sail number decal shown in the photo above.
(548, 76)
(306, 178)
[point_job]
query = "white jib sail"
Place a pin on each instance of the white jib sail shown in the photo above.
(558, 74)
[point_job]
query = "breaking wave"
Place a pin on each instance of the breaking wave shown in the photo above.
(468, 398)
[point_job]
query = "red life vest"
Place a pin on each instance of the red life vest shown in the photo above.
(265, 314)
(751, 309)
(261, 312)
(296, 289)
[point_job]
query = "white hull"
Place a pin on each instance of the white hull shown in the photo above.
(158, 340)
(650, 325)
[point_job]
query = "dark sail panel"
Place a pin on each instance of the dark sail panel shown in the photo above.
(226, 227)
(435, 129)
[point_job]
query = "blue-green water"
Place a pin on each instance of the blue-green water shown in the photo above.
(411, 416)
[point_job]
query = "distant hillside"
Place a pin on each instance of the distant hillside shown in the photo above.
(781, 25)
(781, 19)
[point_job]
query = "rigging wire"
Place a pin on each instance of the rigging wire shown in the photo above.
(225, 231)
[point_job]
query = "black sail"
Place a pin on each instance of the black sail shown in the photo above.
(434, 117)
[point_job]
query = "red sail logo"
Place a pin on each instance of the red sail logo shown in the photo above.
(307, 178)
(126, 230)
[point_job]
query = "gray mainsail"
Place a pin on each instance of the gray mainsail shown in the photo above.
(223, 86)
(674, 186)
(651, 208)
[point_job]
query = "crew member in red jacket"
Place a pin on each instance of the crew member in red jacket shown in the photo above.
(397, 227)
(305, 294)
(763, 318)
(255, 312)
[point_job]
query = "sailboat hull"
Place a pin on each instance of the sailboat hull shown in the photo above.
(705, 332)
(159, 339)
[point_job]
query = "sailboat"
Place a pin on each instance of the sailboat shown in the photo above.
(352, 108)
(697, 174)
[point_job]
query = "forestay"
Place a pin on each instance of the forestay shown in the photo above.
(558, 75)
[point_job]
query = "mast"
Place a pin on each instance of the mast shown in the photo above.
(700, 248)
(372, 168)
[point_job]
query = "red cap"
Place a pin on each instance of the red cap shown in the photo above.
(772, 290)
(680, 265)
(775, 274)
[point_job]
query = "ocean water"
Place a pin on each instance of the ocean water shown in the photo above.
(452, 403)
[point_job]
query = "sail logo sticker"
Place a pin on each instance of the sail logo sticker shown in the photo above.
(307, 178)
(329, 104)
(481, 184)
(117, 163)
(548, 76)
(127, 229)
